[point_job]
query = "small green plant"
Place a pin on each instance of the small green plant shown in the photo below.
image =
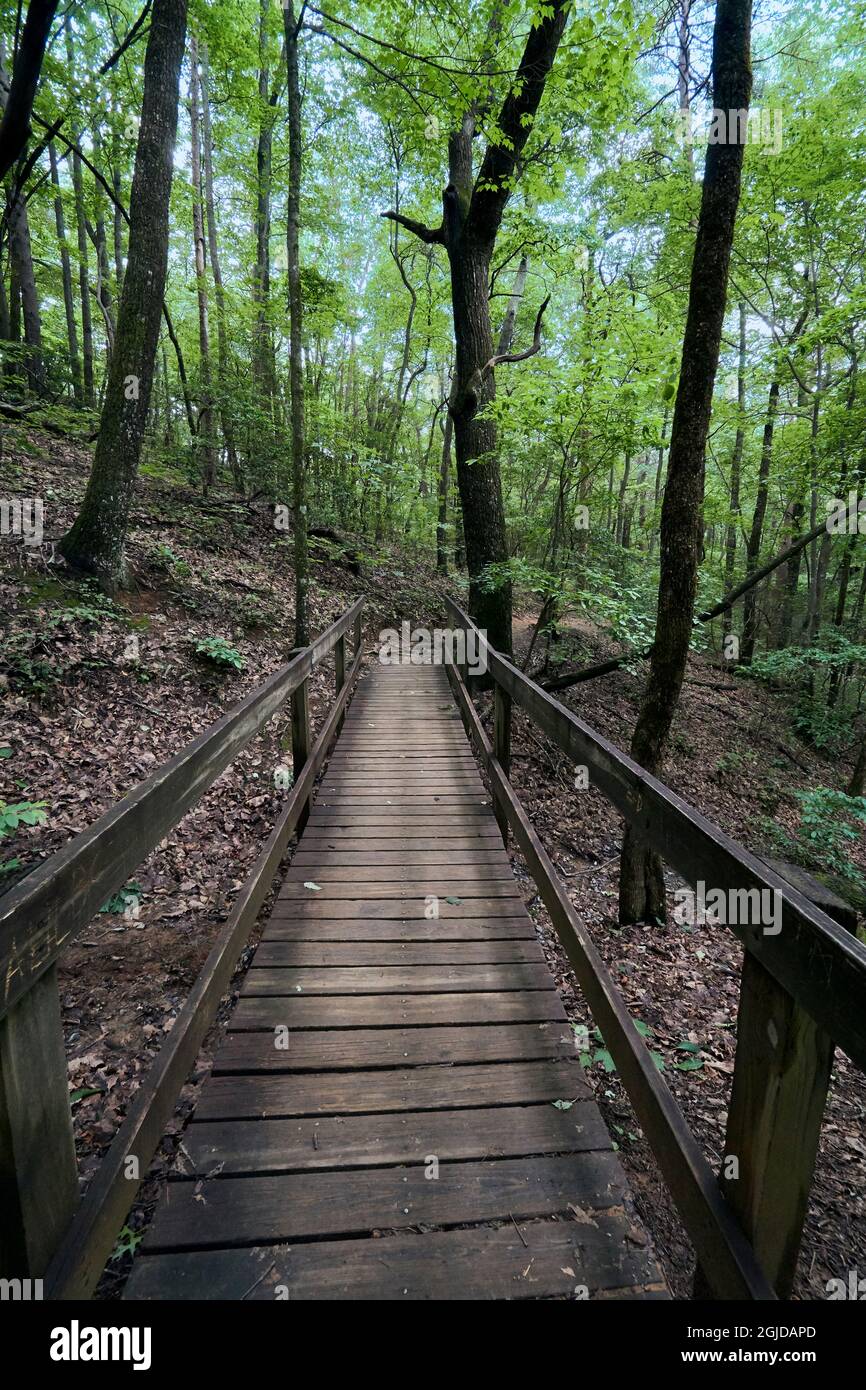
(127, 897)
(166, 560)
(830, 822)
(21, 813)
(220, 653)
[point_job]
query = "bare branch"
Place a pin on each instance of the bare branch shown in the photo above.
(500, 357)
(432, 235)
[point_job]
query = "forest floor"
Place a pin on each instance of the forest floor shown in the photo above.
(97, 694)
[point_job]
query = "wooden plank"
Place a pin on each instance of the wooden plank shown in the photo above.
(389, 1011)
(231, 1148)
(320, 840)
(311, 953)
(714, 1231)
(364, 929)
(538, 1259)
(481, 889)
(254, 1210)
(328, 905)
(404, 1089)
(373, 865)
(365, 1048)
(815, 959)
(80, 1259)
(38, 1171)
(43, 913)
(393, 979)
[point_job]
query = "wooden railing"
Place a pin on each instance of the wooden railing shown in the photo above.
(803, 989)
(44, 1231)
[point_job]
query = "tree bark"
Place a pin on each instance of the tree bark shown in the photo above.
(66, 271)
(21, 92)
(641, 881)
(216, 271)
(753, 545)
(205, 434)
(296, 329)
(96, 540)
(472, 214)
(737, 456)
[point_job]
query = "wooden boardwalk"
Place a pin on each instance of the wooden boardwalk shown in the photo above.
(382, 1121)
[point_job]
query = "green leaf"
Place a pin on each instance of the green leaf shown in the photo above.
(82, 1093)
(563, 1104)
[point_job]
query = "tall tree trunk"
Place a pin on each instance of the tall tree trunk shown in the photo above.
(641, 881)
(21, 257)
(737, 456)
(472, 214)
(66, 271)
(205, 438)
(96, 540)
(296, 334)
(442, 486)
(753, 545)
(264, 371)
(216, 271)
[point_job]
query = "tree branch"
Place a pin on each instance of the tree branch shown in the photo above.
(432, 235)
(15, 125)
(500, 357)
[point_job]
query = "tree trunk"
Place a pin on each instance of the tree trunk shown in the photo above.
(641, 881)
(216, 271)
(443, 484)
(96, 541)
(737, 457)
(296, 335)
(264, 371)
(472, 214)
(66, 270)
(205, 433)
(753, 546)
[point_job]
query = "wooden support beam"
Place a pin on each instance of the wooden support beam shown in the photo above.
(781, 1078)
(301, 741)
(502, 747)
(38, 1172)
(340, 671)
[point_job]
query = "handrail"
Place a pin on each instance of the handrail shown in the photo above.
(87, 1244)
(733, 1270)
(817, 961)
(41, 915)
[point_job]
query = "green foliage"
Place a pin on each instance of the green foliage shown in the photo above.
(218, 652)
(126, 897)
(13, 814)
(831, 824)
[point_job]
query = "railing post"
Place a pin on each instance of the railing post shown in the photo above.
(781, 1078)
(502, 746)
(340, 672)
(38, 1171)
(301, 740)
(357, 635)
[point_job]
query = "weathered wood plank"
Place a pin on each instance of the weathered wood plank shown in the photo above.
(231, 1148)
(393, 979)
(389, 1011)
(255, 1210)
(403, 1089)
(390, 953)
(365, 1048)
(541, 1259)
(329, 905)
(365, 930)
